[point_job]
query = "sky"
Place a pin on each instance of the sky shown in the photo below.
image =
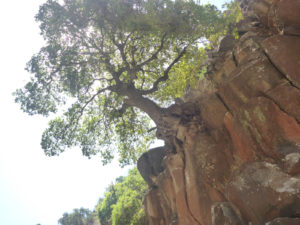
(33, 187)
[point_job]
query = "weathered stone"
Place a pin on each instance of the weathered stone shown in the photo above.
(237, 136)
(279, 15)
(212, 111)
(205, 168)
(246, 51)
(292, 163)
(153, 208)
(242, 143)
(263, 192)
(287, 97)
(275, 133)
(284, 52)
(223, 214)
(175, 164)
(229, 65)
(166, 189)
(288, 14)
(250, 81)
(284, 221)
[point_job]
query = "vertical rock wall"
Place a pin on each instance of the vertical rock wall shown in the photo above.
(237, 157)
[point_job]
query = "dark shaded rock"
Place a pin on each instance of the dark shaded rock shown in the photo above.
(226, 43)
(150, 164)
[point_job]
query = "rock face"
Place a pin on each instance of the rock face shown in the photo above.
(237, 157)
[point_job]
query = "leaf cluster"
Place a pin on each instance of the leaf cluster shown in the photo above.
(80, 216)
(122, 203)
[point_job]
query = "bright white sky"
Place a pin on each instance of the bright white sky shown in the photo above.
(35, 188)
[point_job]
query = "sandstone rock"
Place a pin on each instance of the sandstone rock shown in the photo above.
(153, 208)
(288, 14)
(247, 50)
(279, 15)
(284, 54)
(249, 81)
(237, 136)
(262, 192)
(205, 168)
(243, 145)
(175, 164)
(229, 65)
(274, 133)
(287, 97)
(212, 111)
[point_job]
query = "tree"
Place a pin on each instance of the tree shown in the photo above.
(104, 206)
(107, 65)
(80, 216)
(123, 201)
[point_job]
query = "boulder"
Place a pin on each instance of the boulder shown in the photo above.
(150, 164)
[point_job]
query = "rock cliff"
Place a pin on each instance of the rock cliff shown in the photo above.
(235, 155)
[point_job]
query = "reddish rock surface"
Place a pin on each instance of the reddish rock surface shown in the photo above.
(235, 156)
(284, 51)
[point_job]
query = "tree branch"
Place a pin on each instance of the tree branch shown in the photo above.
(154, 55)
(121, 50)
(165, 76)
(93, 97)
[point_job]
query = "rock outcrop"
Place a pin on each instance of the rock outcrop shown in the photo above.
(237, 159)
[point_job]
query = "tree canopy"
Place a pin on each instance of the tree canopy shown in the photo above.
(122, 204)
(109, 67)
(80, 216)
(123, 201)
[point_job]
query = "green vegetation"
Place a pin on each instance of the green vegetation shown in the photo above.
(109, 67)
(80, 216)
(122, 203)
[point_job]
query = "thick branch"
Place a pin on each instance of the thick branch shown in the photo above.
(145, 104)
(105, 59)
(154, 55)
(122, 53)
(165, 76)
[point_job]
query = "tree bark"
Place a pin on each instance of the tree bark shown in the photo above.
(145, 104)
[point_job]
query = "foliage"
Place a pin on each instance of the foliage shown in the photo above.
(184, 75)
(109, 64)
(80, 216)
(104, 207)
(231, 15)
(122, 203)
